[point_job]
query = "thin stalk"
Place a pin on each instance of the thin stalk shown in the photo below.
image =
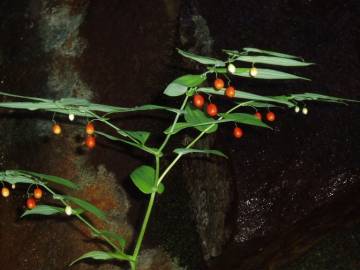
(176, 159)
(91, 227)
(167, 138)
(134, 142)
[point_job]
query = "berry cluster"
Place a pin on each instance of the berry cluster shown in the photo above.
(212, 109)
(90, 140)
(32, 198)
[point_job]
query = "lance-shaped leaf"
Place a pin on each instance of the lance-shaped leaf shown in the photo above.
(144, 179)
(195, 117)
(48, 210)
(277, 54)
(246, 95)
(258, 104)
(272, 60)
(175, 89)
(319, 97)
(268, 74)
(102, 256)
(179, 86)
(141, 136)
(113, 236)
(86, 206)
(51, 178)
(202, 59)
(184, 151)
(14, 177)
(244, 118)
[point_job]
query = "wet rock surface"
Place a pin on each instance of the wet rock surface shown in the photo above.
(278, 194)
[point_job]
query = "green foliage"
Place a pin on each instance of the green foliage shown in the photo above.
(146, 178)
(111, 235)
(51, 178)
(184, 151)
(143, 178)
(86, 206)
(102, 256)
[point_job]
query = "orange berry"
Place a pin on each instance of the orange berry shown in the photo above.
(238, 133)
(5, 192)
(270, 116)
(219, 84)
(230, 92)
(198, 101)
(90, 129)
(90, 142)
(38, 193)
(31, 203)
(258, 115)
(211, 109)
(56, 129)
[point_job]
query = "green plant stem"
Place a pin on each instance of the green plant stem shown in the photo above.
(167, 138)
(91, 227)
(134, 142)
(176, 159)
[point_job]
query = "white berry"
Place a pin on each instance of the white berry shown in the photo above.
(71, 117)
(305, 111)
(231, 68)
(253, 72)
(297, 109)
(13, 186)
(68, 210)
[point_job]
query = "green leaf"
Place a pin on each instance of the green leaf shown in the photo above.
(25, 97)
(46, 210)
(179, 86)
(141, 136)
(191, 80)
(144, 179)
(277, 54)
(86, 206)
(175, 89)
(184, 151)
(196, 116)
(258, 104)
(244, 118)
(111, 235)
(268, 74)
(14, 177)
(51, 178)
(102, 255)
(319, 97)
(202, 59)
(183, 125)
(245, 95)
(271, 60)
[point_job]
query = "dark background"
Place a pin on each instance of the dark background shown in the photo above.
(280, 192)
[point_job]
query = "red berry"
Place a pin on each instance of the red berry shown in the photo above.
(38, 193)
(90, 142)
(238, 133)
(211, 109)
(258, 115)
(219, 84)
(31, 203)
(230, 92)
(90, 129)
(198, 101)
(270, 116)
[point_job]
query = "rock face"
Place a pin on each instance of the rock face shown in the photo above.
(279, 192)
